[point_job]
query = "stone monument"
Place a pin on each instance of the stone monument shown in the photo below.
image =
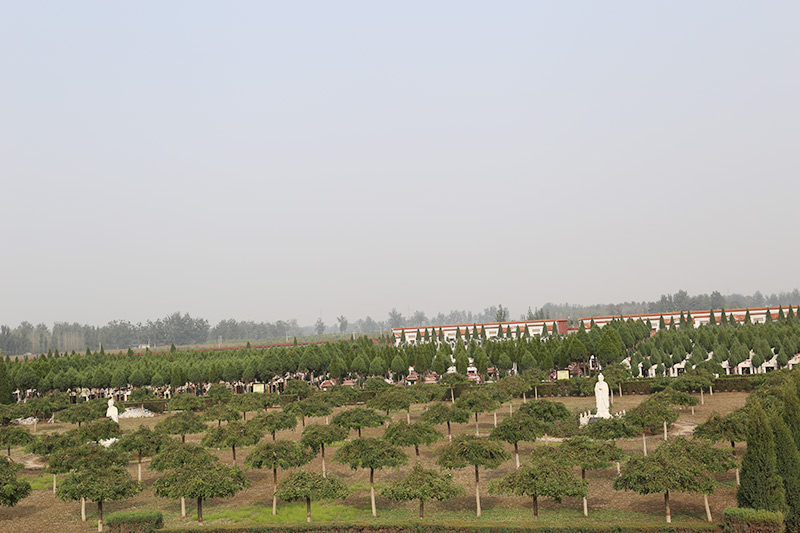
(601, 397)
(112, 412)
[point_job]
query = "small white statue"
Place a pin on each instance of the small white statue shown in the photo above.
(112, 412)
(601, 396)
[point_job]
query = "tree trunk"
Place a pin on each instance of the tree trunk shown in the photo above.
(665, 430)
(183, 439)
(477, 432)
(140, 466)
(516, 454)
(199, 510)
(618, 468)
(408, 416)
(666, 506)
(327, 420)
(644, 444)
(83, 509)
(708, 509)
(183, 507)
(100, 516)
(274, 491)
(452, 396)
(308, 509)
(422, 508)
(585, 499)
(711, 390)
(693, 410)
(416, 450)
(54, 483)
(524, 398)
(233, 449)
(449, 434)
(495, 419)
(359, 433)
(477, 491)
(322, 447)
(536, 508)
(702, 400)
(372, 490)
(511, 407)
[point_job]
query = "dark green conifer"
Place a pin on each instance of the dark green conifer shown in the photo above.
(761, 487)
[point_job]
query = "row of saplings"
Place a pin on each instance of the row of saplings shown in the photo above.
(97, 474)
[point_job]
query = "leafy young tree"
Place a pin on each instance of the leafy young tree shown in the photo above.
(589, 454)
(201, 481)
(358, 418)
(517, 428)
(174, 455)
(649, 416)
(466, 450)
(182, 423)
(544, 475)
(142, 441)
(276, 421)
(12, 490)
(477, 401)
(308, 486)
(418, 433)
(283, 454)
(311, 406)
(246, 403)
(316, 436)
(99, 485)
(233, 434)
(11, 436)
(663, 472)
(441, 413)
(424, 485)
(371, 453)
(220, 412)
(186, 402)
(393, 399)
(731, 428)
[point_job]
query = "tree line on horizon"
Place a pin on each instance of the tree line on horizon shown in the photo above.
(182, 329)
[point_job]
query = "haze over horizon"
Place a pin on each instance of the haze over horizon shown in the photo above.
(265, 161)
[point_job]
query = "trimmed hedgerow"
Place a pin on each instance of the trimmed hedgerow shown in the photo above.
(135, 521)
(739, 520)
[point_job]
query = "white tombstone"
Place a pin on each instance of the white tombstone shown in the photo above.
(601, 397)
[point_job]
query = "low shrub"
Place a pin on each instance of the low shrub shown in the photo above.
(736, 520)
(135, 521)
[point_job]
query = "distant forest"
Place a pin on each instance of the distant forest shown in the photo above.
(183, 329)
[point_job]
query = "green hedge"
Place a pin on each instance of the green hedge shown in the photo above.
(736, 520)
(135, 521)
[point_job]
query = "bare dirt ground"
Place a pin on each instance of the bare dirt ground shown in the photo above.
(42, 512)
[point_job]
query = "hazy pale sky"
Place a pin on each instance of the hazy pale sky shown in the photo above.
(275, 160)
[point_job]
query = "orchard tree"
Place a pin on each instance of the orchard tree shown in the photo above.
(220, 412)
(589, 454)
(183, 423)
(309, 486)
(245, 403)
(394, 399)
(316, 436)
(517, 428)
(99, 485)
(12, 490)
(312, 406)
(424, 485)
(276, 421)
(233, 434)
(371, 453)
(730, 428)
(665, 472)
(358, 418)
(477, 401)
(545, 475)
(441, 413)
(200, 482)
(466, 450)
(143, 442)
(649, 416)
(12, 436)
(186, 402)
(283, 454)
(174, 455)
(419, 433)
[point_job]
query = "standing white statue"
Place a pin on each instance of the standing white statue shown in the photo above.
(601, 397)
(112, 412)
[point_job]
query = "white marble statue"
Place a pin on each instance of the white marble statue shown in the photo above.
(601, 397)
(112, 412)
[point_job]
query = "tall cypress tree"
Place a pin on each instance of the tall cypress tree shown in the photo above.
(761, 487)
(6, 387)
(789, 470)
(711, 319)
